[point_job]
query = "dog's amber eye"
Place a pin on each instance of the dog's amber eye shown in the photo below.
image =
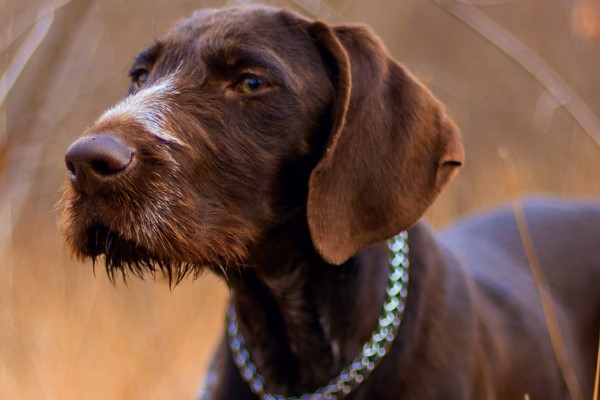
(139, 77)
(250, 84)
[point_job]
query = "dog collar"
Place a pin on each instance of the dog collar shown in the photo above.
(369, 357)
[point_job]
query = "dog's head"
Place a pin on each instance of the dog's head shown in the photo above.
(239, 118)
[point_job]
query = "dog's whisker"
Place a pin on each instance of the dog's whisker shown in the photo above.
(224, 272)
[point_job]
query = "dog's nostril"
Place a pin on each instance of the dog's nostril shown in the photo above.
(109, 166)
(71, 168)
(102, 167)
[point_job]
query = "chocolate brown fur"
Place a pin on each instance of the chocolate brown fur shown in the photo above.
(289, 189)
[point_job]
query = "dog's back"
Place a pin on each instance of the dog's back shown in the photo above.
(565, 239)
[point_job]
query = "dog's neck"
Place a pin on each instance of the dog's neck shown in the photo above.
(302, 319)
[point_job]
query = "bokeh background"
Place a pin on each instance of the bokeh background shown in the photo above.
(520, 77)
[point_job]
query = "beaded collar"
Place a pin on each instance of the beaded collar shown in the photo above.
(369, 357)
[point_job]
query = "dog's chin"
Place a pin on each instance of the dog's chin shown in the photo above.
(122, 256)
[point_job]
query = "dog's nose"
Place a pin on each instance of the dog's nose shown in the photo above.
(94, 161)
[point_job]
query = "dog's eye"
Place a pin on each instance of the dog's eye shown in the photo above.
(139, 77)
(250, 84)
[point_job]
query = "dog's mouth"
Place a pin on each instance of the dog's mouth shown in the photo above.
(154, 232)
(125, 256)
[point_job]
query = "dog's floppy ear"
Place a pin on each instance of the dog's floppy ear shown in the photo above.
(391, 150)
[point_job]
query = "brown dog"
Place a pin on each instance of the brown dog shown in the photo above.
(280, 153)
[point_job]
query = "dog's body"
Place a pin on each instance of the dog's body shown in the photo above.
(508, 323)
(281, 153)
(474, 326)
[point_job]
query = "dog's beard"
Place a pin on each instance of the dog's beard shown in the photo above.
(123, 256)
(157, 230)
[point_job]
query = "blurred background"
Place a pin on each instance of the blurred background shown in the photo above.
(520, 77)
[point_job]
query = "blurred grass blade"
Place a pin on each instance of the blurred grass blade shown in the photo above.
(541, 284)
(597, 381)
(510, 45)
(25, 52)
(13, 31)
(318, 9)
(16, 193)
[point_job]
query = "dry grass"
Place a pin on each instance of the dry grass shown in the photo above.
(597, 380)
(69, 335)
(66, 334)
(556, 337)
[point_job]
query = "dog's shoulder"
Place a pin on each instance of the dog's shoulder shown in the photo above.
(562, 236)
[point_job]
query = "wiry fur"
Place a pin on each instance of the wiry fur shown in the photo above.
(291, 190)
(167, 211)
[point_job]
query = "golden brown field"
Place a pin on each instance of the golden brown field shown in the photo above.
(520, 76)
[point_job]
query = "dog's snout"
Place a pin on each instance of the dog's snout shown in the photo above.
(93, 161)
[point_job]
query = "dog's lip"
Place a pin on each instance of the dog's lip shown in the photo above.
(100, 239)
(103, 240)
